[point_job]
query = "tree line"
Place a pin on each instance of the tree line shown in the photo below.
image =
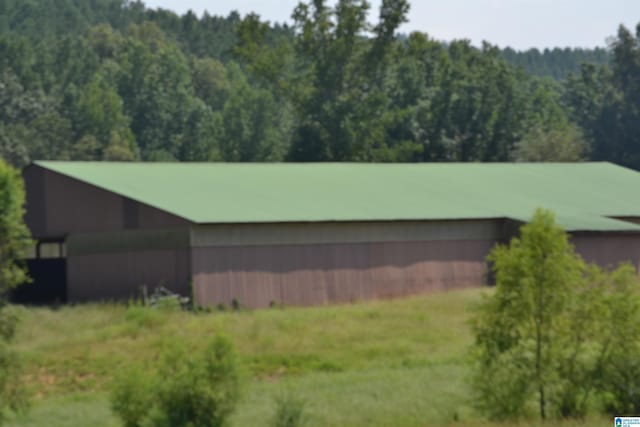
(114, 80)
(557, 63)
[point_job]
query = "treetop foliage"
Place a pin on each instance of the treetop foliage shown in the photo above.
(557, 63)
(114, 80)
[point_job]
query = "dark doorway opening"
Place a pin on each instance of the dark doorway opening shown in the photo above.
(48, 271)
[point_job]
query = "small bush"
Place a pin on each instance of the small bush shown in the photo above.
(201, 389)
(621, 385)
(132, 396)
(13, 394)
(168, 304)
(290, 412)
(501, 388)
(186, 389)
(141, 317)
(9, 319)
(620, 370)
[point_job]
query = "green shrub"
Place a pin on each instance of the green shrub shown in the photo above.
(13, 394)
(168, 304)
(15, 241)
(132, 396)
(140, 317)
(290, 412)
(502, 387)
(620, 379)
(187, 388)
(15, 238)
(201, 389)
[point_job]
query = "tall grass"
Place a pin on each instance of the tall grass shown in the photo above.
(386, 363)
(78, 348)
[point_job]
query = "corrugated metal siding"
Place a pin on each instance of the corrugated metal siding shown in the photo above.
(149, 217)
(36, 215)
(332, 273)
(74, 206)
(344, 232)
(130, 213)
(58, 205)
(127, 241)
(608, 249)
(111, 276)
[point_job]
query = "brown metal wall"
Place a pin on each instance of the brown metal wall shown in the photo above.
(36, 212)
(74, 206)
(216, 235)
(333, 273)
(608, 249)
(111, 276)
(149, 217)
(58, 205)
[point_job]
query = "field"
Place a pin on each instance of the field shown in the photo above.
(387, 363)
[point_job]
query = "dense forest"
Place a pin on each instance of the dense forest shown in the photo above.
(114, 80)
(556, 63)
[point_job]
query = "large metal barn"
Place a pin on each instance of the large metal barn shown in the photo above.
(305, 234)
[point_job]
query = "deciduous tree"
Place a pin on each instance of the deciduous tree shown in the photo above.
(554, 329)
(14, 243)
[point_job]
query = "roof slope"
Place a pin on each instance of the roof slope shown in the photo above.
(583, 195)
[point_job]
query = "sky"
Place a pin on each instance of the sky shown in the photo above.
(521, 24)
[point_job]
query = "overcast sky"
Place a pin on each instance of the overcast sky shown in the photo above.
(517, 23)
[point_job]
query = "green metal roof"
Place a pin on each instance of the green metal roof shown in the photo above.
(583, 195)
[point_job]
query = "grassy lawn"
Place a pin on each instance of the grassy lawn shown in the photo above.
(385, 363)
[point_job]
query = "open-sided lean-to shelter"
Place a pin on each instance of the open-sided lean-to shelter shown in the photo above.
(303, 234)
